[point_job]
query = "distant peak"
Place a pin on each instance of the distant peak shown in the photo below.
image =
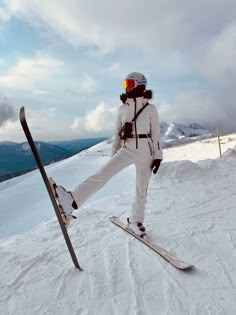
(174, 132)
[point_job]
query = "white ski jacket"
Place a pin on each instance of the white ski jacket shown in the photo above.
(146, 123)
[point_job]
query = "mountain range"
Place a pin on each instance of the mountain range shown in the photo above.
(16, 158)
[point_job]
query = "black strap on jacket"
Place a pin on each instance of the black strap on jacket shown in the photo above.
(135, 117)
(139, 112)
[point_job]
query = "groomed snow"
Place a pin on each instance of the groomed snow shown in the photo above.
(190, 211)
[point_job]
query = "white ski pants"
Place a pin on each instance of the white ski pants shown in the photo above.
(127, 155)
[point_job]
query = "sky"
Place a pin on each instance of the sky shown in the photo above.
(65, 61)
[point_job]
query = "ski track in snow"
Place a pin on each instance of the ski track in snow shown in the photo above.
(190, 212)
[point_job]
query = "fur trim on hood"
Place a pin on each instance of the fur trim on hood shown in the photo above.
(148, 94)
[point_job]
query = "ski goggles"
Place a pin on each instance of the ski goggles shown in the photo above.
(131, 84)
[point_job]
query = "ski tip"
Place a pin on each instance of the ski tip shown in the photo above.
(112, 218)
(22, 114)
(22, 111)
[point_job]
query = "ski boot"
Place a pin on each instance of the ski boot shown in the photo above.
(137, 227)
(65, 202)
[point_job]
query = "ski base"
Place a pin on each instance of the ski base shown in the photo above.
(173, 260)
(48, 186)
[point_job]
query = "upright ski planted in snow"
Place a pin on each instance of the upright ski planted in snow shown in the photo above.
(48, 187)
(176, 262)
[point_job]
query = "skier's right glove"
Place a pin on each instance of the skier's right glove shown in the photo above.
(155, 165)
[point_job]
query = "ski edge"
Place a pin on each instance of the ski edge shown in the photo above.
(173, 260)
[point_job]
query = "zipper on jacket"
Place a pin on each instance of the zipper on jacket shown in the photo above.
(135, 126)
(150, 147)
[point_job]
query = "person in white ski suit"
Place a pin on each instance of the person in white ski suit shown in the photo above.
(142, 147)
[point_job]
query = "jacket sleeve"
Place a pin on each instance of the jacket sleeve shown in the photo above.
(156, 134)
(116, 139)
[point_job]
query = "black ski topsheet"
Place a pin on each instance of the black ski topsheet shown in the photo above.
(173, 260)
(48, 187)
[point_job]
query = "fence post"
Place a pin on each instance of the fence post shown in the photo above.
(218, 136)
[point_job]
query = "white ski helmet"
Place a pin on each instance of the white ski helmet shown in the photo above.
(135, 79)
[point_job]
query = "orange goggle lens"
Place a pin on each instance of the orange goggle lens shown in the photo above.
(129, 84)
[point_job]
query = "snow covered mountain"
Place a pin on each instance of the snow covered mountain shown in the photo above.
(173, 133)
(190, 212)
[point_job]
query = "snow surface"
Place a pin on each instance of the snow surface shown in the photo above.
(190, 212)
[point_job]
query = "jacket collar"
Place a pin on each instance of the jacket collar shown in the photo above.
(140, 101)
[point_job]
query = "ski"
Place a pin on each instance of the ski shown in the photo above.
(173, 260)
(48, 187)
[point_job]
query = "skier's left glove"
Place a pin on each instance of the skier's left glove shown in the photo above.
(155, 165)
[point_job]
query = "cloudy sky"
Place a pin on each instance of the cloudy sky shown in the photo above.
(65, 61)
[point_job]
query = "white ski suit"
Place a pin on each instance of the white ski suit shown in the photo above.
(140, 152)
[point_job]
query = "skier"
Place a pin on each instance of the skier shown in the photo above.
(136, 141)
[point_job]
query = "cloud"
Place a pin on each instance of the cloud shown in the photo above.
(201, 107)
(212, 103)
(114, 70)
(41, 122)
(88, 84)
(69, 19)
(7, 113)
(187, 48)
(29, 73)
(158, 26)
(44, 76)
(4, 15)
(220, 61)
(97, 122)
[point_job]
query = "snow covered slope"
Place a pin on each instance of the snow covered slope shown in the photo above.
(190, 211)
(16, 158)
